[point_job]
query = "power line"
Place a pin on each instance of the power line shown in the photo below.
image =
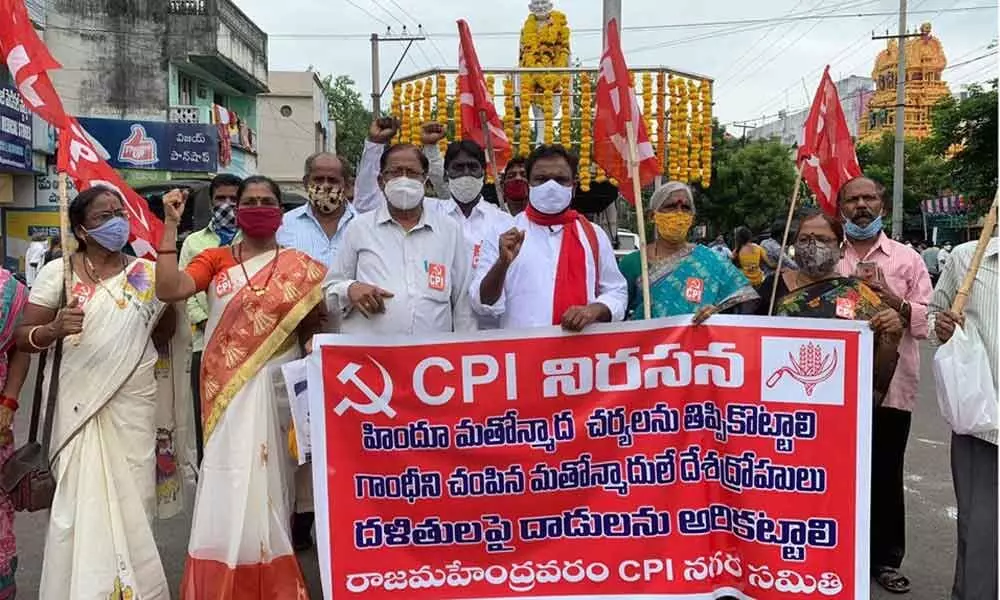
(733, 65)
(408, 15)
(978, 58)
(367, 12)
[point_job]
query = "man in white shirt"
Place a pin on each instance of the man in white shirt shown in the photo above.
(973, 457)
(402, 268)
(554, 267)
(458, 184)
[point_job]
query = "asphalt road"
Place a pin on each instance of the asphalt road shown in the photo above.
(930, 510)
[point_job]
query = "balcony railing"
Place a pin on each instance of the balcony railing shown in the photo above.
(187, 7)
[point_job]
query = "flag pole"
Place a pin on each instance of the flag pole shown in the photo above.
(640, 215)
(784, 237)
(67, 249)
(491, 158)
(958, 305)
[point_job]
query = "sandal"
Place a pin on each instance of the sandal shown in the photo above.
(891, 580)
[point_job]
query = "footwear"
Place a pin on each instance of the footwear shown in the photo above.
(302, 524)
(891, 580)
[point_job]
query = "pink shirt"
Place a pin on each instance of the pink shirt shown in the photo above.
(906, 275)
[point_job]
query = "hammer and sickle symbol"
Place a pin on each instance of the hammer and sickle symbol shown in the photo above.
(376, 403)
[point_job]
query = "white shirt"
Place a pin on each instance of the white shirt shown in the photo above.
(942, 259)
(980, 310)
(529, 288)
(427, 269)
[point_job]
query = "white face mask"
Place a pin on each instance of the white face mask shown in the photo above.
(404, 193)
(550, 197)
(465, 189)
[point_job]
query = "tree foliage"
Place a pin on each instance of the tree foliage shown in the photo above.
(350, 115)
(752, 182)
(966, 130)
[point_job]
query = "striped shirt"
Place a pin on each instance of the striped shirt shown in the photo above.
(981, 308)
(906, 275)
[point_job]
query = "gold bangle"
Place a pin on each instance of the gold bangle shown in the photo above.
(31, 338)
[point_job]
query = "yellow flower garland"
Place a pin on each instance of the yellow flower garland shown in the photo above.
(694, 158)
(457, 108)
(682, 134)
(548, 108)
(706, 133)
(661, 118)
(397, 107)
(586, 131)
(508, 109)
(674, 145)
(524, 147)
(425, 112)
(416, 117)
(404, 121)
(547, 46)
(647, 102)
(442, 108)
(565, 107)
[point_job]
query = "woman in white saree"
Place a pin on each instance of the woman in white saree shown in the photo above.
(100, 542)
(264, 305)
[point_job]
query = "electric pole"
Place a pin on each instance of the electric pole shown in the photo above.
(377, 88)
(898, 162)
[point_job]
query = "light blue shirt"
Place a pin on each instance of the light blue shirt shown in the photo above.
(302, 231)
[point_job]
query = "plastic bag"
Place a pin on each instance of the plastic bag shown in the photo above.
(965, 391)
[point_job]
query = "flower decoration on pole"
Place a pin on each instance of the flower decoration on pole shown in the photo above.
(564, 110)
(675, 147)
(508, 108)
(586, 133)
(548, 110)
(524, 146)
(683, 173)
(416, 117)
(661, 117)
(694, 157)
(405, 117)
(706, 133)
(442, 108)
(647, 102)
(397, 106)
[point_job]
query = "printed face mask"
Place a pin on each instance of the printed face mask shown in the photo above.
(815, 259)
(673, 226)
(326, 198)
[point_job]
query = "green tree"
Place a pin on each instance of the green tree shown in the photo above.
(751, 183)
(966, 130)
(350, 115)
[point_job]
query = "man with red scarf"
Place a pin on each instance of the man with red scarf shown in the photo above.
(554, 267)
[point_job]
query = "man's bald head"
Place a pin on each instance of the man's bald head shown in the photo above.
(324, 168)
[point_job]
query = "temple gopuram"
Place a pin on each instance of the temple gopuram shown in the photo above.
(925, 61)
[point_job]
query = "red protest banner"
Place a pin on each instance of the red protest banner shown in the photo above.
(655, 458)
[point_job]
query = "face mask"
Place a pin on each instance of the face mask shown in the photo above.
(465, 189)
(673, 226)
(550, 197)
(516, 189)
(856, 232)
(112, 235)
(326, 199)
(404, 193)
(223, 218)
(259, 221)
(815, 259)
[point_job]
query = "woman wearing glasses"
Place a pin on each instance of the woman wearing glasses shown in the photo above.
(99, 539)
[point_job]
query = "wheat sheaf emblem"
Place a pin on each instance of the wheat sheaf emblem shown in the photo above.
(810, 369)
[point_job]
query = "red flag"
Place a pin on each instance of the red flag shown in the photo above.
(28, 60)
(79, 160)
(617, 107)
(476, 100)
(826, 156)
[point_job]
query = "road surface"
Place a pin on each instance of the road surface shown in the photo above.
(930, 514)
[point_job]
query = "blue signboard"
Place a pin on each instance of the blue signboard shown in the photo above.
(155, 145)
(15, 132)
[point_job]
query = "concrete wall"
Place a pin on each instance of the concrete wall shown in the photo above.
(113, 57)
(286, 141)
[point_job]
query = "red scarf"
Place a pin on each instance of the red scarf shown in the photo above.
(571, 270)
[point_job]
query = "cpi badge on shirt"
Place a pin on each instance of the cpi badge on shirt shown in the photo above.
(693, 290)
(223, 284)
(436, 276)
(845, 308)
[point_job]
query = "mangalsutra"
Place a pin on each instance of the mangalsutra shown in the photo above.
(274, 263)
(88, 266)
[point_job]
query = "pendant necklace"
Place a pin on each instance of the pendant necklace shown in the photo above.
(274, 263)
(122, 302)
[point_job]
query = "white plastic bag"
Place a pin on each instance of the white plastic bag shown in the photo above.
(965, 389)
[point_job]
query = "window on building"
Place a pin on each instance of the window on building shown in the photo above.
(286, 111)
(185, 85)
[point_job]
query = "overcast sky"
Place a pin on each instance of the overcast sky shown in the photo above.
(758, 68)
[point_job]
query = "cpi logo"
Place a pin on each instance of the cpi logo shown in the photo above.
(377, 403)
(802, 370)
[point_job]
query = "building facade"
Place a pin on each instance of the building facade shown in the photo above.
(167, 88)
(854, 92)
(294, 122)
(925, 63)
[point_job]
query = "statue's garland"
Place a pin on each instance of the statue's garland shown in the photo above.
(547, 46)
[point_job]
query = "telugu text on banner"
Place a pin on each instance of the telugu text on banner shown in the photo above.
(658, 458)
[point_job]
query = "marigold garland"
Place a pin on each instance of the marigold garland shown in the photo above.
(425, 111)
(683, 173)
(694, 156)
(548, 109)
(416, 117)
(647, 102)
(397, 107)
(442, 108)
(706, 133)
(672, 167)
(404, 121)
(564, 109)
(456, 107)
(586, 131)
(661, 119)
(547, 46)
(524, 146)
(508, 109)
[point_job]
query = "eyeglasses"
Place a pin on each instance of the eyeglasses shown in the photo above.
(394, 172)
(107, 215)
